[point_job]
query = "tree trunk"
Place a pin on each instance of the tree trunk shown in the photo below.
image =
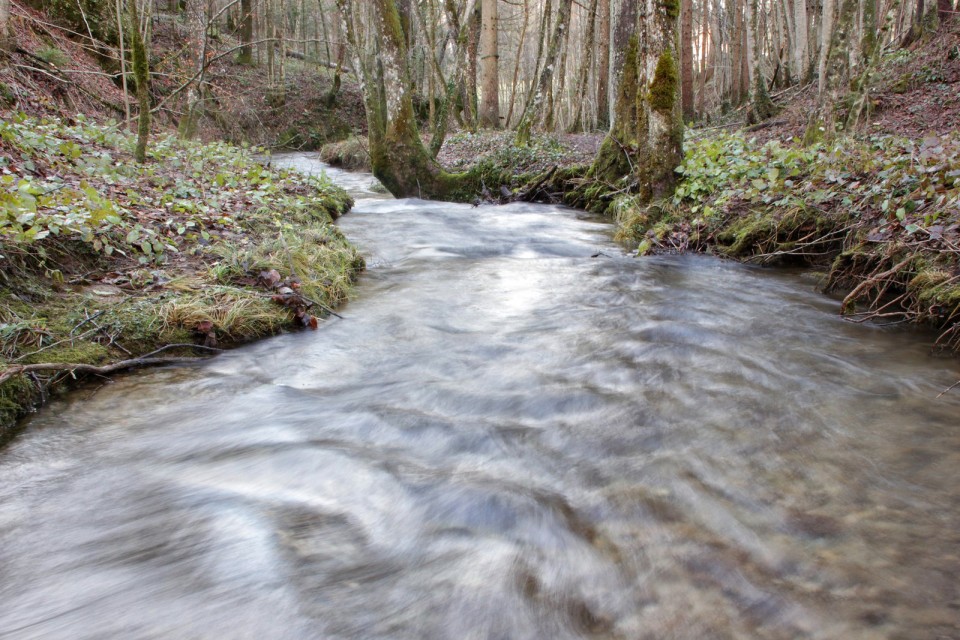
(736, 54)
(761, 106)
(6, 33)
(281, 95)
(141, 73)
(197, 25)
(470, 86)
(579, 95)
(122, 53)
(556, 93)
(246, 32)
(944, 11)
(870, 43)
(271, 46)
(686, 58)
(489, 63)
(458, 34)
(603, 65)
(397, 155)
(535, 101)
(750, 43)
(645, 143)
(702, 77)
(516, 65)
(625, 31)
(331, 97)
(800, 57)
(826, 30)
(835, 68)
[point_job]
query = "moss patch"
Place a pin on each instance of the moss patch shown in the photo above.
(663, 89)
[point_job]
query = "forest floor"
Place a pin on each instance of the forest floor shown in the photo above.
(53, 72)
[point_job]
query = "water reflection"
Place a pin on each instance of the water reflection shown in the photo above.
(504, 438)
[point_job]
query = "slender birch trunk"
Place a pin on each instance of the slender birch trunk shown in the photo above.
(489, 66)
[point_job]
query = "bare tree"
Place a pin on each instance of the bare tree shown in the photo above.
(686, 58)
(603, 64)
(489, 66)
(580, 92)
(246, 32)
(6, 39)
(141, 74)
(535, 101)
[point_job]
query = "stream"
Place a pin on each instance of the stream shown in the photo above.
(517, 431)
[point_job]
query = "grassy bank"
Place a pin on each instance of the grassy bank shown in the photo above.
(105, 261)
(880, 216)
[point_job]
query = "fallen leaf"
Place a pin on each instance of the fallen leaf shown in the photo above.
(270, 278)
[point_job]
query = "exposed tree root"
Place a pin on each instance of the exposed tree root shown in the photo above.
(74, 368)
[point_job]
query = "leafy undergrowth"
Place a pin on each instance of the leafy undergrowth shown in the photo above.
(882, 215)
(105, 260)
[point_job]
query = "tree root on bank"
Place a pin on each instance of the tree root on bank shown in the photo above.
(884, 279)
(146, 360)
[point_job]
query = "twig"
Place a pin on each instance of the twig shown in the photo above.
(83, 322)
(181, 345)
(765, 125)
(949, 389)
(719, 126)
(113, 341)
(322, 306)
(310, 301)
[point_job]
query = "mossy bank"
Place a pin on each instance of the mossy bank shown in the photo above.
(105, 260)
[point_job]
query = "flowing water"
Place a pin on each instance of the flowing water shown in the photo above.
(517, 431)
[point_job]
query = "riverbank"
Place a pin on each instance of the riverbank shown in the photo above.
(878, 216)
(106, 262)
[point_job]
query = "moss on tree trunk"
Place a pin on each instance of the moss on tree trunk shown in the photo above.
(644, 146)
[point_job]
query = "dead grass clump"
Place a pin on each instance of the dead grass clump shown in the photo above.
(239, 315)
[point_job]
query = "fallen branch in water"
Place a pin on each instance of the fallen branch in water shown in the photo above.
(73, 368)
(949, 389)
